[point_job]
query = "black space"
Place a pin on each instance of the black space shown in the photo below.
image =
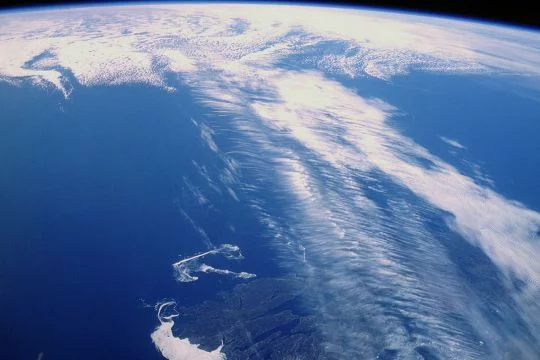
(517, 12)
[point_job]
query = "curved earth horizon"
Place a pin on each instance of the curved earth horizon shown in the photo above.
(258, 181)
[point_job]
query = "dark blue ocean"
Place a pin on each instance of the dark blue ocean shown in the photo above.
(91, 190)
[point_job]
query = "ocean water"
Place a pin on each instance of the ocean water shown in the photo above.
(95, 190)
(91, 193)
(494, 117)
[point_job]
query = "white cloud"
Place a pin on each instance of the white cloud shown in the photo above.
(202, 233)
(453, 143)
(114, 45)
(177, 61)
(339, 142)
(207, 136)
(313, 109)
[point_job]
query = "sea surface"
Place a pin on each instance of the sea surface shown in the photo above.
(95, 189)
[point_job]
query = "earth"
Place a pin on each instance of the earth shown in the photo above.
(248, 181)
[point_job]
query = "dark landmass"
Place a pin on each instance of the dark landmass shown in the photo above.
(261, 319)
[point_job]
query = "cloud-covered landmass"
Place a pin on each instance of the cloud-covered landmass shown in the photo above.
(122, 44)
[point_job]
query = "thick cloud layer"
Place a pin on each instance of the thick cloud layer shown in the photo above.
(113, 45)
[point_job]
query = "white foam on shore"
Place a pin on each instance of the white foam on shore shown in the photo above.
(186, 269)
(174, 348)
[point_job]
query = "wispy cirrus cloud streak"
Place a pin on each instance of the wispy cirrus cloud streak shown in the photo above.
(454, 143)
(336, 152)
